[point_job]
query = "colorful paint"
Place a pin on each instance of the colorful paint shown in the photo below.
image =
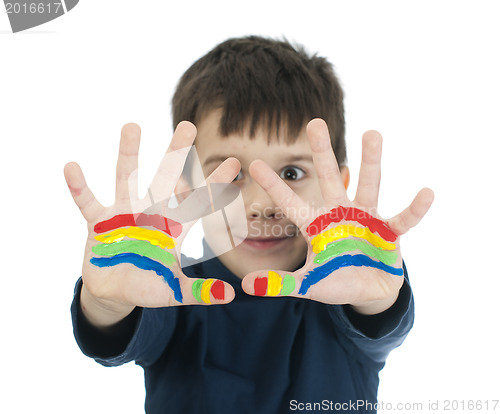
(144, 263)
(202, 288)
(329, 267)
(331, 245)
(139, 247)
(169, 226)
(260, 286)
(351, 214)
(143, 248)
(349, 245)
(320, 241)
(217, 290)
(288, 285)
(274, 284)
(155, 237)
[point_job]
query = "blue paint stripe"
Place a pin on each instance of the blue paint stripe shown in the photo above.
(358, 260)
(144, 263)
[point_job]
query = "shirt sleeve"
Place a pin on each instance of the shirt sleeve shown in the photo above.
(141, 337)
(373, 337)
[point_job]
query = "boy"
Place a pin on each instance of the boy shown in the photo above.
(337, 294)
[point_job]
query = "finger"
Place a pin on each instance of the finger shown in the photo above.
(170, 290)
(226, 172)
(299, 284)
(412, 215)
(140, 281)
(126, 167)
(84, 199)
(207, 291)
(173, 161)
(330, 180)
(370, 171)
(281, 194)
(214, 194)
(271, 283)
(334, 282)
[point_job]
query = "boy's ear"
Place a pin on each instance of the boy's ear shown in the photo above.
(344, 172)
(182, 189)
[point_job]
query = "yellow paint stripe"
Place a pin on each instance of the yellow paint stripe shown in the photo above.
(320, 242)
(155, 237)
(205, 290)
(273, 283)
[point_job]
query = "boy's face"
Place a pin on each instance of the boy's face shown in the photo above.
(273, 241)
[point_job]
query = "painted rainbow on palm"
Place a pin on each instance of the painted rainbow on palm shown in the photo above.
(331, 245)
(143, 247)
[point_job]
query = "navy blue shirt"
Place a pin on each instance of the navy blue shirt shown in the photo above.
(253, 355)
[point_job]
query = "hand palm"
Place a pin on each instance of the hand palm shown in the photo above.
(355, 285)
(126, 283)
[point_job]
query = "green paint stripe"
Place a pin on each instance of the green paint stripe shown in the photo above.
(288, 285)
(349, 245)
(196, 288)
(140, 247)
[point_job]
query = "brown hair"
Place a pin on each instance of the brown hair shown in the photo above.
(257, 81)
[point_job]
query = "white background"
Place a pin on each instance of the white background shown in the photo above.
(425, 74)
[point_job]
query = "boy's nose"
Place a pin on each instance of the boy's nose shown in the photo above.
(258, 204)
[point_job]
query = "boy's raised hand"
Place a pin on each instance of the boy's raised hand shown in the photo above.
(132, 251)
(353, 256)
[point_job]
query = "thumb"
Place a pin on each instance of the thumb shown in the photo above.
(209, 291)
(271, 283)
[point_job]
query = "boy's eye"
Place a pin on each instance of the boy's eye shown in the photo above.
(292, 173)
(239, 176)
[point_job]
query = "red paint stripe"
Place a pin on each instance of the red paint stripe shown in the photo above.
(260, 286)
(217, 290)
(154, 220)
(351, 214)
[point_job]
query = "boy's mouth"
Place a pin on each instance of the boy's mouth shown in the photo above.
(265, 243)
